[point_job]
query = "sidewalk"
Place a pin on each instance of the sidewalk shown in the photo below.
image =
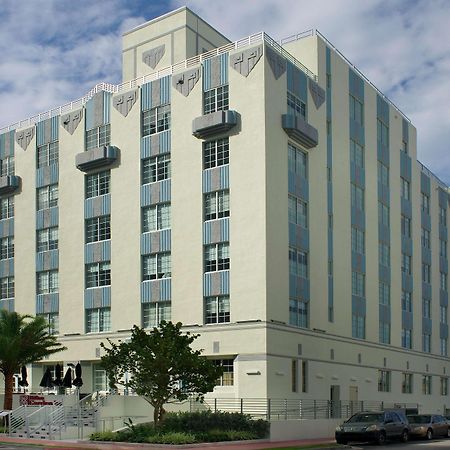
(240, 445)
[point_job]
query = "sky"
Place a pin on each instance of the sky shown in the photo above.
(55, 51)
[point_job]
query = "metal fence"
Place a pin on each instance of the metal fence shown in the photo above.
(289, 409)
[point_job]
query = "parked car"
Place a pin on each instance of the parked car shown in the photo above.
(375, 426)
(428, 425)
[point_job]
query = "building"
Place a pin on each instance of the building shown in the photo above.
(267, 196)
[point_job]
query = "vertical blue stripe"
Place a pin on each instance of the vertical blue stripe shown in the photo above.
(223, 68)
(55, 128)
(89, 107)
(206, 75)
(165, 89)
(107, 107)
(146, 96)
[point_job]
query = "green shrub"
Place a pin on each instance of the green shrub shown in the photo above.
(175, 438)
(225, 435)
(103, 436)
(203, 421)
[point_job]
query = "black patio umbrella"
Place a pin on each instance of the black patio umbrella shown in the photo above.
(77, 382)
(58, 375)
(67, 380)
(47, 381)
(23, 381)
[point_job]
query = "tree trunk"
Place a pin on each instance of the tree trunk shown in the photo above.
(156, 414)
(9, 384)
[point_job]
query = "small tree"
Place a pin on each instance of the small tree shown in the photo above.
(162, 366)
(23, 340)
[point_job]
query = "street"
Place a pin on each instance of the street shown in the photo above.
(411, 445)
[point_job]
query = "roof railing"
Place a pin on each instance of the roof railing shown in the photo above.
(253, 39)
(312, 32)
(428, 172)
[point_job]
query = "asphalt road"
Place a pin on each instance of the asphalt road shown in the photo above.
(411, 445)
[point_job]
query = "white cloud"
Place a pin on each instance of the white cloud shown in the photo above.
(54, 51)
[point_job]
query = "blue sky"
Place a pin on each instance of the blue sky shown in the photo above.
(54, 51)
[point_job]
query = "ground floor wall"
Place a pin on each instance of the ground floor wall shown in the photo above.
(276, 361)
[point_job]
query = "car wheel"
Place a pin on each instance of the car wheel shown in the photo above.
(404, 437)
(341, 441)
(381, 440)
(448, 432)
(429, 435)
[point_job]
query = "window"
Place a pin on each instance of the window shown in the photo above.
(443, 314)
(298, 262)
(443, 248)
(7, 287)
(426, 273)
(98, 137)
(443, 281)
(154, 313)
(156, 120)
(384, 381)
(405, 189)
(156, 168)
(385, 332)
(358, 326)
(297, 161)
(7, 247)
(97, 184)
(47, 282)
(404, 147)
(357, 195)
(384, 254)
(356, 110)
(47, 197)
(383, 214)
(100, 379)
(296, 106)
(304, 376)
(406, 264)
(298, 211)
(217, 257)
(406, 226)
(47, 239)
(98, 229)
(425, 203)
(383, 174)
(217, 309)
(426, 342)
(98, 274)
(426, 238)
(216, 205)
(358, 284)
(442, 216)
(444, 386)
(358, 241)
(384, 293)
(216, 153)
(406, 338)
(156, 266)
(294, 375)
(227, 378)
(52, 321)
(444, 346)
(426, 384)
(156, 217)
(426, 308)
(6, 166)
(382, 133)
(406, 301)
(6, 208)
(407, 383)
(98, 320)
(299, 313)
(47, 155)
(215, 99)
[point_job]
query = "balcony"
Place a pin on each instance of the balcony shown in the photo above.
(299, 130)
(9, 184)
(214, 123)
(97, 157)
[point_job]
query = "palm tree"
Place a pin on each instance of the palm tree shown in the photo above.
(24, 339)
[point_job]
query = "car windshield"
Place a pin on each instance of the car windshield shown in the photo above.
(366, 418)
(419, 419)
